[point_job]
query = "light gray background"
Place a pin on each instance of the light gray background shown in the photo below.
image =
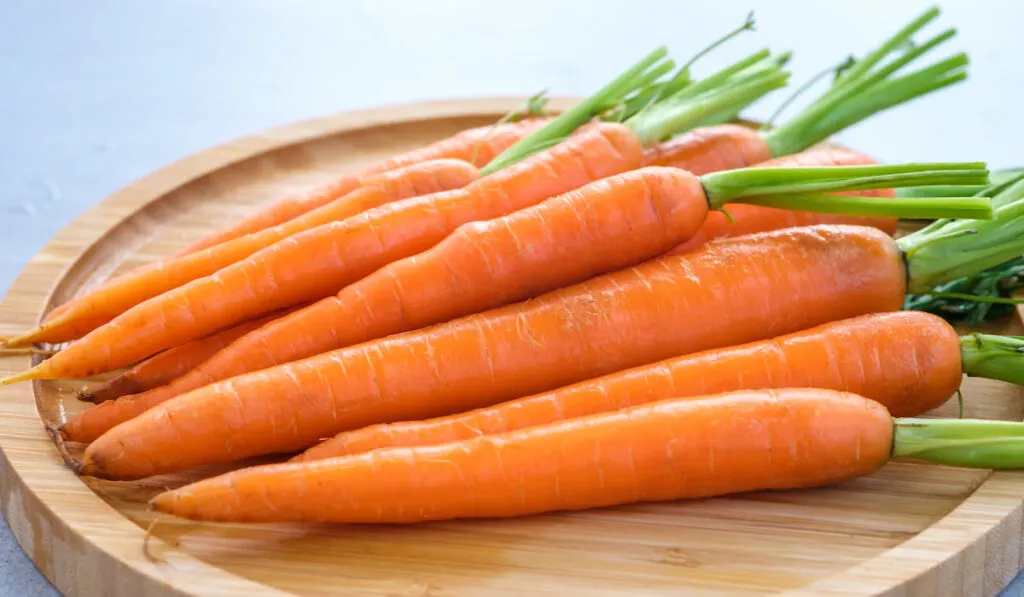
(95, 94)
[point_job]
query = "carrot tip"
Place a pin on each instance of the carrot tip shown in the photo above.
(26, 375)
(57, 434)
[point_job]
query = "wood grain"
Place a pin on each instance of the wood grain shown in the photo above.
(911, 529)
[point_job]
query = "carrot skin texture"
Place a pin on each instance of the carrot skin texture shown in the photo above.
(907, 361)
(486, 141)
(316, 263)
(123, 292)
(167, 366)
(711, 149)
(672, 449)
(641, 213)
(729, 292)
(749, 219)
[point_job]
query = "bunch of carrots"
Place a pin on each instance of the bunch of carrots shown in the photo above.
(637, 299)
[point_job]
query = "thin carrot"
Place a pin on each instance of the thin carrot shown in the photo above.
(476, 146)
(731, 291)
(909, 362)
(102, 305)
(858, 93)
(738, 219)
(171, 364)
(605, 226)
(316, 263)
(776, 439)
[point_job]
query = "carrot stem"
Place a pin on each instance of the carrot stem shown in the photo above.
(686, 110)
(862, 90)
(996, 176)
(567, 122)
(993, 357)
(893, 43)
(652, 93)
(973, 443)
(936, 255)
(852, 205)
(726, 186)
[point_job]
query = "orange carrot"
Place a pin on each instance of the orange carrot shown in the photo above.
(748, 219)
(729, 292)
(908, 361)
(722, 444)
(476, 146)
(604, 226)
(170, 364)
(116, 296)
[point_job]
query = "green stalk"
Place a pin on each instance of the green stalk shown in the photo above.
(810, 188)
(879, 207)
(937, 255)
(569, 121)
(673, 116)
(650, 93)
(973, 443)
(900, 38)
(997, 177)
(863, 90)
(993, 357)
(747, 182)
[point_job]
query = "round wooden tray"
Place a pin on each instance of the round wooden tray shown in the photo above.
(911, 529)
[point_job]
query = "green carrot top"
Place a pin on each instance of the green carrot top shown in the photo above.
(865, 87)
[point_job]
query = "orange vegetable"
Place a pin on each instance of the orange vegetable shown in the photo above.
(729, 292)
(170, 364)
(787, 438)
(605, 226)
(908, 361)
(476, 146)
(116, 296)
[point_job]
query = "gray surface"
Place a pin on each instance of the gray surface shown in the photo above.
(96, 94)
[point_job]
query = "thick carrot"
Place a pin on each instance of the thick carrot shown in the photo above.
(477, 146)
(171, 364)
(910, 362)
(776, 439)
(729, 292)
(86, 313)
(316, 263)
(605, 226)
(748, 219)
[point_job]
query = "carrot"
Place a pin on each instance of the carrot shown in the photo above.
(167, 366)
(738, 219)
(604, 226)
(861, 91)
(476, 146)
(316, 263)
(909, 362)
(121, 293)
(731, 291)
(775, 439)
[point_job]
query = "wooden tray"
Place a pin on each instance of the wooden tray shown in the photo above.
(911, 529)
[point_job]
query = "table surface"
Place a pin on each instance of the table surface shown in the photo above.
(98, 94)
